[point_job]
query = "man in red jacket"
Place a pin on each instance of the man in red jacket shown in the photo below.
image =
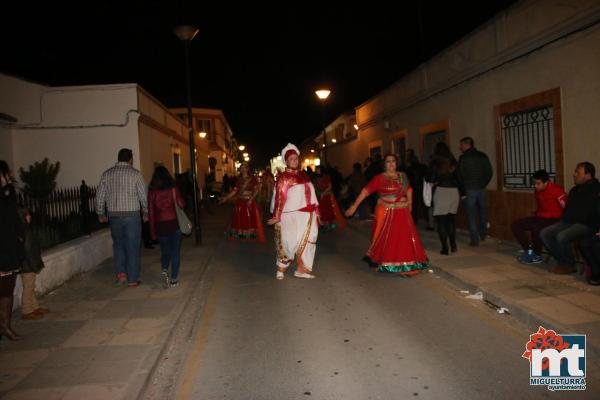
(551, 200)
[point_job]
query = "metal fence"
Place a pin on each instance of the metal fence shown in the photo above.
(67, 213)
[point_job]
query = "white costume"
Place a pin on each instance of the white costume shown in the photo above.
(295, 205)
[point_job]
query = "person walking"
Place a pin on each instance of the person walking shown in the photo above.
(121, 194)
(475, 172)
(395, 243)
(32, 265)
(444, 178)
(295, 215)
(12, 249)
(330, 216)
(163, 197)
(246, 224)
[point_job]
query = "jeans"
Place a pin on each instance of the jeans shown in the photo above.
(170, 251)
(534, 225)
(126, 233)
(558, 239)
(475, 204)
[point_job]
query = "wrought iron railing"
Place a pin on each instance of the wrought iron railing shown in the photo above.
(67, 213)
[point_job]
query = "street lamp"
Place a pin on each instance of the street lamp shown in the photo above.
(241, 147)
(186, 34)
(323, 94)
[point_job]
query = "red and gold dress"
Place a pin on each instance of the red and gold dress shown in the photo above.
(247, 222)
(395, 243)
(331, 217)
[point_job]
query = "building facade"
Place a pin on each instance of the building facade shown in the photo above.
(84, 127)
(525, 86)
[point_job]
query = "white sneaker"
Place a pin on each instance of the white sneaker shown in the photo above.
(303, 275)
(279, 275)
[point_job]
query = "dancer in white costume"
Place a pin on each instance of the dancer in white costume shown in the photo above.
(295, 216)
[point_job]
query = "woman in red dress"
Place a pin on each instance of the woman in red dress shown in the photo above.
(331, 217)
(247, 222)
(395, 244)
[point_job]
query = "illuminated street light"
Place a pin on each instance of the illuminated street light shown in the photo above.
(323, 94)
(202, 134)
(241, 147)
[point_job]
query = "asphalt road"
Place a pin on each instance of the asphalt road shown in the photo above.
(349, 334)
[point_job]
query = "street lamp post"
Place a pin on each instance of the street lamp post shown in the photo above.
(323, 94)
(186, 34)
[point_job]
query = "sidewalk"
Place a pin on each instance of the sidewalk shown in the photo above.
(533, 295)
(102, 341)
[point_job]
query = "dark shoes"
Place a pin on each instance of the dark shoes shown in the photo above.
(444, 251)
(563, 269)
(473, 243)
(593, 282)
(453, 247)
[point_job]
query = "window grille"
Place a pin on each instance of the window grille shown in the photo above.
(527, 146)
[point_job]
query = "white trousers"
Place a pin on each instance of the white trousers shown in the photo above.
(296, 236)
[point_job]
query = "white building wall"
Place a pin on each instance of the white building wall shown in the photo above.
(82, 127)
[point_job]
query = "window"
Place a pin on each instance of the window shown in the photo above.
(176, 163)
(429, 142)
(528, 144)
(399, 146)
(205, 125)
(431, 134)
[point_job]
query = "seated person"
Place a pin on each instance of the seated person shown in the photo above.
(590, 249)
(577, 220)
(550, 199)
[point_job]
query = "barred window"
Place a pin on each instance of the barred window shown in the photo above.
(528, 145)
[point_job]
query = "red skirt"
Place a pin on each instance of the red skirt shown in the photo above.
(395, 243)
(330, 215)
(247, 223)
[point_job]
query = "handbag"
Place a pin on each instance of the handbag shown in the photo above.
(427, 193)
(185, 225)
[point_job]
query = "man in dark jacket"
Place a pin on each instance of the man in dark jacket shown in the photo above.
(475, 172)
(590, 248)
(577, 221)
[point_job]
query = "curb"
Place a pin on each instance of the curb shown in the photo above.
(517, 311)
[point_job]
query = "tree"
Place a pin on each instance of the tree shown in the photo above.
(40, 178)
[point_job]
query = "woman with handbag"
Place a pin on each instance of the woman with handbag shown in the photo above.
(395, 243)
(247, 222)
(163, 199)
(444, 178)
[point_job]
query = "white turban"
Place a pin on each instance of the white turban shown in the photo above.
(289, 148)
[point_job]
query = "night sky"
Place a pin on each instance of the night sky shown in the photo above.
(260, 64)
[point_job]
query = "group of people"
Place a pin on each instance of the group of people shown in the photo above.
(125, 203)
(563, 221)
(302, 206)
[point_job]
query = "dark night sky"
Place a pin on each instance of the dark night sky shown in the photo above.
(260, 64)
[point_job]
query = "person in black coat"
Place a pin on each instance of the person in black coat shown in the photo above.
(12, 251)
